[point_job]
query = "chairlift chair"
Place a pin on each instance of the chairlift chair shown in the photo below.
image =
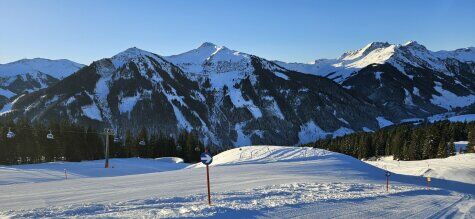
(50, 135)
(10, 134)
(142, 143)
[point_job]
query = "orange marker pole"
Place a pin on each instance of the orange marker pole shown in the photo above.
(207, 179)
(387, 183)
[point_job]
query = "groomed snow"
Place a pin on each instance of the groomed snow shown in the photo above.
(228, 204)
(265, 154)
(54, 171)
(249, 182)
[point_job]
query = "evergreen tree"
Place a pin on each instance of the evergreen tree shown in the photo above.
(442, 150)
(471, 140)
(451, 148)
(130, 148)
(142, 143)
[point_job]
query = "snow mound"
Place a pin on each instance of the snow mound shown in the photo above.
(170, 160)
(266, 154)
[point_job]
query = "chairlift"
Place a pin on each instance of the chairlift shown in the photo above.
(50, 135)
(10, 134)
(178, 148)
(197, 149)
(116, 140)
(142, 143)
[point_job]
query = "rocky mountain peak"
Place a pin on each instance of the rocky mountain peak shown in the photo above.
(207, 45)
(415, 45)
(361, 53)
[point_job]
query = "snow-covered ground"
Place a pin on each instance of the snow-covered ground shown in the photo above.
(60, 170)
(459, 168)
(247, 182)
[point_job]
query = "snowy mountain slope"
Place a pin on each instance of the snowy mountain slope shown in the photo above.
(229, 98)
(216, 67)
(325, 184)
(411, 53)
(403, 80)
(56, 68)
(28, 75)
(459, 168)
(232, 98)
(343, 67)
(464, 54)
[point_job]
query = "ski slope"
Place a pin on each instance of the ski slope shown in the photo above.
(61, 170)
(247, 182)
(459, 168)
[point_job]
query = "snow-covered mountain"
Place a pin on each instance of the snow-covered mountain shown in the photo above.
(404, 80)
(233, 98)
(28, 75)
(410, 53)
(227, 97)
(59, 69)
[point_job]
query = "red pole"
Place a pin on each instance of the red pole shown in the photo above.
(207, 179)
(387, 184)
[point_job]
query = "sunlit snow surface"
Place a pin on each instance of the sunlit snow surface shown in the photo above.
(250, 201)
(247, 182)
(57, 68)
(459, 168)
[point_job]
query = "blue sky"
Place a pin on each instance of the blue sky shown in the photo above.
(297, 31)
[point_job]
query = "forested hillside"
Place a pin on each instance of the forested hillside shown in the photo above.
(405, 141)
(23, 143)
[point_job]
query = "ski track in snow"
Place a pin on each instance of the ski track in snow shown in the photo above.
(247, 182)
(263, 199)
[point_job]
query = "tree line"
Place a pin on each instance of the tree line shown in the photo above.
(405, 141)
(74, 143)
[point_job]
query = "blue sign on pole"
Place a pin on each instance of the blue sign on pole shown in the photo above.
(388, 173)
(206, 158)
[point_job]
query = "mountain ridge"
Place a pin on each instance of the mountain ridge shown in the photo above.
(232, 98)
(239, 99)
